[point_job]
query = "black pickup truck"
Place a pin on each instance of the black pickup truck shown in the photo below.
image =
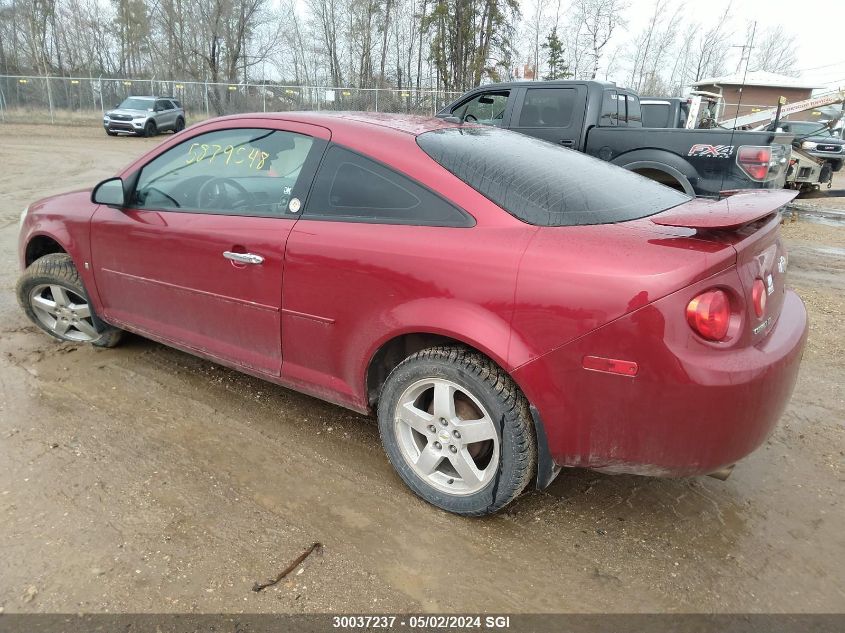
(605, 121)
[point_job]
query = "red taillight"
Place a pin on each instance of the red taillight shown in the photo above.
(755, 161)
(709, 314)
(758, 297)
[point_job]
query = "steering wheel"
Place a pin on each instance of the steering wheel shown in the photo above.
(470, 118)
(223, 193)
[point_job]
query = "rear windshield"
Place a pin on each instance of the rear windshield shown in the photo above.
(541, 183)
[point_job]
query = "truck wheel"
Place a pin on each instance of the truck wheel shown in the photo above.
(457, 430)
(52, 296)
(664, 179)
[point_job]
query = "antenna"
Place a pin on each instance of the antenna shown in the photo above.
(742, 87)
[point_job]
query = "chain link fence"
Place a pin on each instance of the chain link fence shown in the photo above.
(81, 100)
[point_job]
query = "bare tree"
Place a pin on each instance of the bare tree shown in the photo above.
(774, 51)
(652, 47)
(710, 49)
(466, 36)
(600, 18)
(535, 33)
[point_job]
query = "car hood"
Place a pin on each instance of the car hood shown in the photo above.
(130, 112)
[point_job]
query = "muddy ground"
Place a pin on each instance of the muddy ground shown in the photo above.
(143, 479)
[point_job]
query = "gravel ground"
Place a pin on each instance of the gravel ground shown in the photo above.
(825, 206)
(142, 479)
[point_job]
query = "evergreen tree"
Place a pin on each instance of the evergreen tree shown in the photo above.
(557, 65)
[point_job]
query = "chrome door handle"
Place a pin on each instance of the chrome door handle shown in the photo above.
(244, 258)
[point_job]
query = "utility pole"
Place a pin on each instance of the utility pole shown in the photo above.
(745, 55)
(747, 58)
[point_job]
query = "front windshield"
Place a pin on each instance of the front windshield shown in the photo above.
(135, 103)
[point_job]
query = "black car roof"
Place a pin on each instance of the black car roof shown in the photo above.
(550, 83)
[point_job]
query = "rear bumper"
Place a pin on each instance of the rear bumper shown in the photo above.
(690, 410)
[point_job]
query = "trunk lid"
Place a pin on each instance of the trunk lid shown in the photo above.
(750, 223)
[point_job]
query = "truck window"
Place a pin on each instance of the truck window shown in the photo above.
(542, 183)
(656, 115)
(547, 107)
(635, 116)
(610, 109)
(487, 108)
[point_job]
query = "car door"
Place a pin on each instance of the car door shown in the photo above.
(196, 257)
(165, 114)
(555, 114)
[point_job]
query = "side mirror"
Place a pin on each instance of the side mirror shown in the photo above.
(109, 192)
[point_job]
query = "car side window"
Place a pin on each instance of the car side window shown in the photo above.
(488, 108)
(162, 105)
(349, 187)
(226, 172)
(547, 107)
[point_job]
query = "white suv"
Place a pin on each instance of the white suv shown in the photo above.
(145, 116)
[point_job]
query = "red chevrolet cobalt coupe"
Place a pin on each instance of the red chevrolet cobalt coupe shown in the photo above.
(507, 307)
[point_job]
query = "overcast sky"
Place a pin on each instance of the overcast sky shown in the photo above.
(819, 27)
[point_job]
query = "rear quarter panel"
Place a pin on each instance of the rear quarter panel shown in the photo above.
(351, 287)
(691, 409)
(575, 279)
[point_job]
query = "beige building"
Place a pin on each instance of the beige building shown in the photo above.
(758, 91)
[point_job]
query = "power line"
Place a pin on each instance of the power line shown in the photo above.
(801, 70)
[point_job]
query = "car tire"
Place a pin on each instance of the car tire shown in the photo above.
(150, 129)
(53, 297)
(473, 450)
(180, 125)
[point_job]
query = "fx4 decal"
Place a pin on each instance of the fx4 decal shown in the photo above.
(711, 151)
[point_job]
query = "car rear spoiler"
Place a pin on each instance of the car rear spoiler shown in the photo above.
(730, 213)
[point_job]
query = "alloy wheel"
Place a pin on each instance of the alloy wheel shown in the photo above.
(447, 436)
(63, 312)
